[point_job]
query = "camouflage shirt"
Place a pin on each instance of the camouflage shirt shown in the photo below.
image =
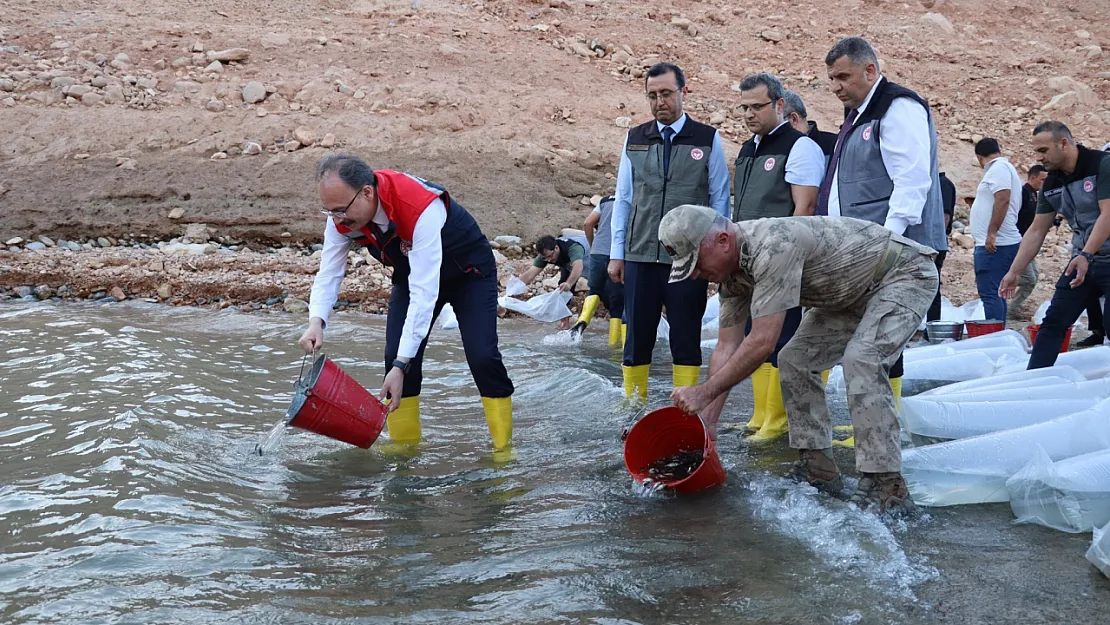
(816, 262)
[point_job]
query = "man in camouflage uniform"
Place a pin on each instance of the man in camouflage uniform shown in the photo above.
(866, 290)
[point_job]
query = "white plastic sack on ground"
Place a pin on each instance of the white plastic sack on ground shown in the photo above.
(1055, 388)
(1038, 317)
(974, 311)
(949, 420)
(1099, 553)
(547, 307)
(710, 320)
(1071, 495)
(975, 470)
(1093, 362)
(515, 287)
(1033, 377)
(954, 368)
(664, 329)
(447, 318)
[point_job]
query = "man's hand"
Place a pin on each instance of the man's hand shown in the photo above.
(1078, 266)
(990, 243)
(313, 338)
(1008, 285)
(616, 270)
(564, 287)
(692, 399)
(391, 388)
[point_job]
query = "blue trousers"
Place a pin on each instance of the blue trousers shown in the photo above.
(611, 293)
(989, 271)
(469, 284)
(647, 291)
(1067, 304)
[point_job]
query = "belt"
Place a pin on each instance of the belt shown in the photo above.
(890, 256)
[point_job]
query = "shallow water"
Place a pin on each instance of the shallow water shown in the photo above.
(131, 493)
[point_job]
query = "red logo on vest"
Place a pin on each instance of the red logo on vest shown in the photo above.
(769, 164)
(696, 154)
(406, 247)
(867, 133)
(1088, 186)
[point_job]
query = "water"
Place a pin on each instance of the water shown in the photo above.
(132, 492)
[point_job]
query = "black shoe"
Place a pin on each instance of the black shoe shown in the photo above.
(578, 328)
(1094, 340)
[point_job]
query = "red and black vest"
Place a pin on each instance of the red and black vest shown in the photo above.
(404, 198)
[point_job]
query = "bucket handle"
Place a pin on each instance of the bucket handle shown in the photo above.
(300, 374)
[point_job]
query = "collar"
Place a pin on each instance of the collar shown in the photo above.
(992, 162)
(380, 219)
(773, 131)
(676, 126)
(870, 96)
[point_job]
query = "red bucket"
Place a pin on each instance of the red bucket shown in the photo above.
(665, 432)
(979, 328)
(1033, 328)
(329, 402)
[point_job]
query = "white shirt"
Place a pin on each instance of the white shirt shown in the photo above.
(622, 204)
(425, 260)
(805, 165)
(998, 175)
(906, 149)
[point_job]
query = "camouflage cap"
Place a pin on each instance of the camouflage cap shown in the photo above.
(681, 232)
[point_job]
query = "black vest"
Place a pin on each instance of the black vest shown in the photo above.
(760, 188)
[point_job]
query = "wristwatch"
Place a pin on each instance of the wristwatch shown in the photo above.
(403, 366)
(1089, 256)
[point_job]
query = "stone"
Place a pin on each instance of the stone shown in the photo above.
(773, 35)
(582, 285)
(197, 232)
(965, 241)
(503, 240)
(1082, 34)
(232, 54)
(327, 141)
(14, 241)
(938, 20)
(292, 146)
(514, 251)
(43, 291)
(99, 82)
(681, 22)
(91, 99)
(6, 84)
(180, 62)
(193, 249)
(215, 106)
(306, 136)
(621, 57)
(1062, 101)
(254, 92)
(165, 291)
(623, 122)
(550, 283)
(215, 66)
(581, 49)
(1084, 95)
(103, 242)
(251, 148)
(47, 241)
(275, 40)
(147, 83)
(156, 265)
(61, 82)
(117, 293)
(177, 213)
(36, 246)
(113, 95)
(149, 44)
(186, 86)
(122, 58)
(262, 112)
(24, 291)
(218, 156)
(295, 306)
(717, 118)
(595, 200)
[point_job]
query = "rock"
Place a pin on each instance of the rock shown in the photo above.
(621, 57)
(681, 22)
(99, 82)
(595, 200)
(581, 49)
(186, 86)
(215, 106)
(91, 99)
(292, 146)
(14, 241)
(940, 21)
(147, 83)
(165, 291)
(149, 44)
(24, 291)
(964, 241)
(254, 92)
(550, 283)
(328, 141)
(117, 293)
(306, 136)
(218, 156)
(61, 82)
(215, 66)
(262, 113)
(295, 306)
(187, 248)
(773, 35)
(177, 213)
(122, 58)
(582, 285)
(1084, 95)
(503, 240)
(717, 118)
(251, 148)
(113, 95)
(1091, 52)
(232, 54)
(514, 251)
(275, 40)
(156, 265)
(36, 246)
(43, 291)
(197, 232)
(47, 241)
(1062, 101)
(1082, 34)
(623, 122)
(103, 242)
(6, 84)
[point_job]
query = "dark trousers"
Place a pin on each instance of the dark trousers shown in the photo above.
(934, 310)
(1066, 307)
(990, 268)
(1096, 321)
(789, 327)
(647, 291)
(469, 284)
(611, 293)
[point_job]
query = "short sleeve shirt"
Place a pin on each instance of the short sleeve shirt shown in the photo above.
(1057, 179)
(818, 262)
(575, 252)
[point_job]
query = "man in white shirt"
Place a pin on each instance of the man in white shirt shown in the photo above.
(439, 256)
(994, 215)
(884, 168)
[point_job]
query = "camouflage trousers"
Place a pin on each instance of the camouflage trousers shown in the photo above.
(868, 337)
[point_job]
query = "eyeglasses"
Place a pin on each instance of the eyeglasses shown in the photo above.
(744, 108)
(661, 95)
(341, 214)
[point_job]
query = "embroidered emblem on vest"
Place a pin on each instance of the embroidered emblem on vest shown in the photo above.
(867, 133)
(696, 154)
(769, 164)
(1088, 186)
(406, 247)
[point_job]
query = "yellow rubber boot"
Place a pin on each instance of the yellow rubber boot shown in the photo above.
(624, 334)
(774, 425)
(589, 307)
(616, 336)
(685, 375)
(825, 377)
(404, 422)
(760, 380)
(499, 418)
(636, 381)
(896, 386)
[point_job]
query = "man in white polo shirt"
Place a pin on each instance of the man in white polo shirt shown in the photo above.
(994, 217)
